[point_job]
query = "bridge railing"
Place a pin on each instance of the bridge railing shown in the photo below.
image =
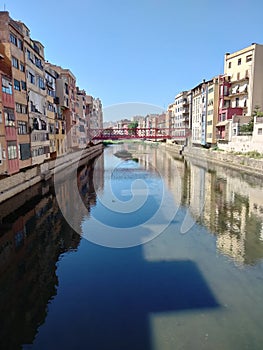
(137, 133)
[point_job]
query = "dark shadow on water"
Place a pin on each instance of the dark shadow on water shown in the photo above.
(111, 297)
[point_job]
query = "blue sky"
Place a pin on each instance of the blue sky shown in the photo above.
(143, 51)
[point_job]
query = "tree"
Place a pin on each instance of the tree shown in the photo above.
(249, 127)
(132, 128)
(257, 112)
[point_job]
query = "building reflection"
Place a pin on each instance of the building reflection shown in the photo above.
(228, 204)
(33, 235)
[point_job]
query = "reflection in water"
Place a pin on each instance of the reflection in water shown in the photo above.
(32, 238)
(149, 297)
(229, 204)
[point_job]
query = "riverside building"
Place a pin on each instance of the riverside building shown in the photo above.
(38, 103)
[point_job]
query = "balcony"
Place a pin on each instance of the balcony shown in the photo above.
(246, 78)
(8, 100)
(185, 119)
(239, 91)
(10, 132)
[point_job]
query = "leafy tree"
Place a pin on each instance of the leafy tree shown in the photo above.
(257, 112)
(132, 128)
(250, 125)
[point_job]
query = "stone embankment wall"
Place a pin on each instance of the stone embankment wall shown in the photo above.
(173, 147)
(12, 185)
(238, 162)
(242, 144)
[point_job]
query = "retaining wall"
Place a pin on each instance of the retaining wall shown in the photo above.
(239, 162)
(23, 180)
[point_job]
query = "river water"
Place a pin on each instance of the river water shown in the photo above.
(135, 250)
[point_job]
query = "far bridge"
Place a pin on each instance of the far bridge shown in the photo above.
(138, 133)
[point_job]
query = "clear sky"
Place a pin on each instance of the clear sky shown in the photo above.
(142, 51)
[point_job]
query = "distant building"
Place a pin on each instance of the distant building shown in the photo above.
(180, 117)
(198, 122)
(212, 111)
(96, 118)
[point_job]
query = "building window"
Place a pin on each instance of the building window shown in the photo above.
(24, 109)
(15, 62)
(259, 131)
(22, 127)
(229, 64)
(237, 101)
(12, 150)
(50, 107)
(31, 78)
(24, 151)
(38, 63)
(22, 67)
(249, 58)
(6, 86)
(13, 39)
(41, 83)
(20, 108)
(17, 85)
(51, 93)
(238, 76)
(239, 62)
(23, 85)
(9, 117)
(29, 55)
(20, 44)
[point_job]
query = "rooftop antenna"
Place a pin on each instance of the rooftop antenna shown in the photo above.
(4, 7)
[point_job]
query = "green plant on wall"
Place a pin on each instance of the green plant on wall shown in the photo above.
(250, 125)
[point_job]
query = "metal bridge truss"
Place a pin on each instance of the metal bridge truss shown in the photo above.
(138, 133)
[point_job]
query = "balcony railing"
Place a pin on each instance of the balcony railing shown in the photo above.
(240, 80)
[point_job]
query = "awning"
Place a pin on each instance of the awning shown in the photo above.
(224, 123)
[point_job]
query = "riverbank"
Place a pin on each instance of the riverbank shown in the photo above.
(12, 185)
(239, 162)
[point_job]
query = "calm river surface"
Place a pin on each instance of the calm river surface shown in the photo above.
(155, 253)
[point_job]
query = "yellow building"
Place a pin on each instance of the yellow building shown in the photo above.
(212, 110)
(245, 69)
(66, 103)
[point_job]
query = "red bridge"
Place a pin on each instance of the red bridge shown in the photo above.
(138, 133)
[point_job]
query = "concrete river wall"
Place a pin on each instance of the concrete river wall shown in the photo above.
(23, 180)
(238, 162)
